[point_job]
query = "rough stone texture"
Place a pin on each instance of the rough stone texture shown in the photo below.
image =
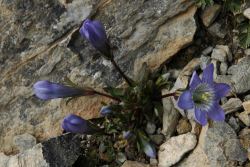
(246, 105)
(24, 141)
(245, 117)
(134, 164)
(170, 116)
(210, 13)
(197, 158)
(219, 54)
(247, 13)
(222, 146)
(240, 75)
(40, 40)
(217, 29)
(61, 151)
(232, 105)
(173, 149)
(183, 126)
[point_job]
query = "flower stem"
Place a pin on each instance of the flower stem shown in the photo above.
(121, 72)
(106, 95)
(168, 94)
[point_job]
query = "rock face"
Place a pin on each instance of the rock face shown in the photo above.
(61, 151)
(173, 149)
(40, 40)
(222, 146)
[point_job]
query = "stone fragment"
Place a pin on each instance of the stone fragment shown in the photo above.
(227, 50)
(245, 118)
(207, 51)
(210, 13)
(232, 105)
(222, 145)
(246, 106)
(150, 128)
(134, 164)
(170, 116)
(217, 29)
(245, 138)
(60, 151)
(183, 126)
(233, 122)
(246, 13)
(24, 141)
(219, 54)
(240, 75)
(157, 139)
(247, 52)
(205, 60)
(175, 148)
(121, 157)
(223, 68)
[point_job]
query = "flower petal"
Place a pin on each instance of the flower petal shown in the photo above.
(195, 80)
(185, 101)
(216, 113)
(221, 90)
(207, 75)
(201, 116)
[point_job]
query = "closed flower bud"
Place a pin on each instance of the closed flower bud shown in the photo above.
(75, 124)
(127, 134)
(146, 146)
(48, 90)
(105, 110)
(95, 33)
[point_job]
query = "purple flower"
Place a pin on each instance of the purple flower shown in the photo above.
(127, 134)
(48, 90)
(105, 110)
(203, 96)
(75, 124)
(95, 33)
(146, 146)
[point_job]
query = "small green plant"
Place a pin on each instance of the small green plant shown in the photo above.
(244, 34)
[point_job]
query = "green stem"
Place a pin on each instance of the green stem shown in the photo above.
(121, 72)
(106, 95)
(168, 95)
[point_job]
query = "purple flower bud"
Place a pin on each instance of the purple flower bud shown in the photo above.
(48, 90)
(95, 33)
(146, 146)
(105, 110)
(127, 134)
(148, 149)
(75, 124)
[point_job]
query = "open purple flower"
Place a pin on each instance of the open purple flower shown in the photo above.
(48, 90)
(75, 124)
(95, 33)
(203, 96)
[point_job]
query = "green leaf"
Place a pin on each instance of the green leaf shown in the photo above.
(116, 92)
(244, 36)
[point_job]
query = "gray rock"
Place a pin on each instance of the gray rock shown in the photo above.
(134, 164)
(219, 54)
(245, 118)
(232, 105)
(223, 68)
(210, 13)
(40, 40)
(233, 122)
(121, 157)
(60, 151)
(246, 13)
(170, 116)
(217, 29)
(150, 128)
(222, 146)
(240, 75)
(175, 148)
(247, 52)
(247, 98)
(207, 51)
(157, 139)
(153, 162)
(24, 141)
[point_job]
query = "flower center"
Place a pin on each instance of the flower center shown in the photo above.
(203, 96)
